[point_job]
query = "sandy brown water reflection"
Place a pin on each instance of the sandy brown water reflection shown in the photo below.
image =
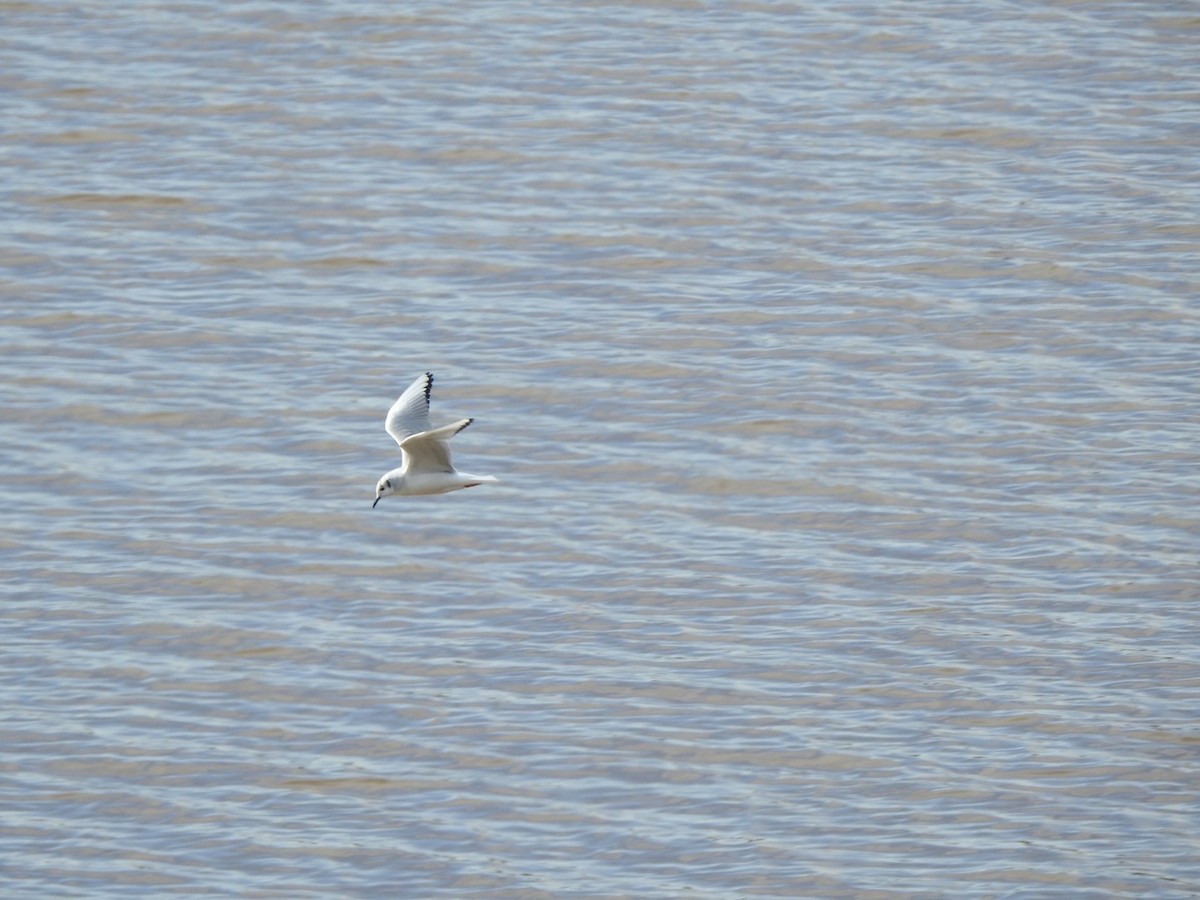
(839, 368)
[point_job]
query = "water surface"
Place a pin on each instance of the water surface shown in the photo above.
(838, 363)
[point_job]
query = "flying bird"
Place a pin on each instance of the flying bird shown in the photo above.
(425, 453)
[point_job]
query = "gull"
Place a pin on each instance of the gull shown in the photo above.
(426, 467)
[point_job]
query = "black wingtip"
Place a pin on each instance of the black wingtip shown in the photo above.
(428, 385)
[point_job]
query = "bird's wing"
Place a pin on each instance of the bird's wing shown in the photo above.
(409, 415)
(428, 451)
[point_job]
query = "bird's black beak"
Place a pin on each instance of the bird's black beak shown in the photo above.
(377, 499)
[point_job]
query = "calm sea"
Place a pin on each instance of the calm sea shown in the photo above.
(838, 361)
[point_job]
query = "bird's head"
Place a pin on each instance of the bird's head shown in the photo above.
(385, 487)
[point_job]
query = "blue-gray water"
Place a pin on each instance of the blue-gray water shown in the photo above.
(839, 363)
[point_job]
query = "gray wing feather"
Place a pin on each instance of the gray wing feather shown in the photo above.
(428, 451)
(409, 415)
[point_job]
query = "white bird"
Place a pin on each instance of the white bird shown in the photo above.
(426, 467)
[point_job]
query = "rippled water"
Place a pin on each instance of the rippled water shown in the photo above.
(839, 366)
